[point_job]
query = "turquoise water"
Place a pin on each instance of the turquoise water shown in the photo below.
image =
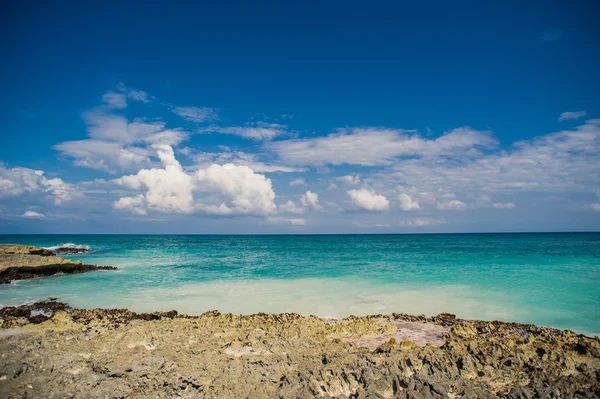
(547, 279)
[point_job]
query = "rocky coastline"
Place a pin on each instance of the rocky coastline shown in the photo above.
(50, 350)
(20, 262)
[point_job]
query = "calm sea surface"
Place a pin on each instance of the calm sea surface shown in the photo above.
(547, 279)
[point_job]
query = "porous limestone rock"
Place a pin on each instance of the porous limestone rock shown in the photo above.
(52, 351)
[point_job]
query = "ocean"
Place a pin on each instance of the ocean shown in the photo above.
(548, 279)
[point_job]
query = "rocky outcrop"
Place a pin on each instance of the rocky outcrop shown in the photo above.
(70, 249)
(50, 350)
(12, 249)
(18, 262)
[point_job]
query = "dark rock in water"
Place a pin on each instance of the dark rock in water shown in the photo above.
(25, 272)
(70, 250)
(19, 262)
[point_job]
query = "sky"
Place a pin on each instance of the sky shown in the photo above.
(299, 117)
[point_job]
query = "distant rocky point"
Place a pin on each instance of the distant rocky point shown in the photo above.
(20, 262)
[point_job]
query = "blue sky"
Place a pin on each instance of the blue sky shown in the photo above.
(332, 117)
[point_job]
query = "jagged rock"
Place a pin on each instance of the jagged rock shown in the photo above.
(49, 350)
(70, 250)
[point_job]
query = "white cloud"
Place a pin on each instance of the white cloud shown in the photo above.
(310, 200)
(568, 116)
(168, 190)
(18, 181)
(132, 204)
(282, 220)
(421, 222)
(239, 158)
(504, 205)
(349, 179)
(557, 162)
(103, 125)
(376, 146)
(137, 95)
(298, 182)
(407, 203)
(255, 131)
(196, 114)
(291, 207)
(104, 155)
(114, 100)
(452, 205)
(167, 137)
(114, 143)
(369, 200)
(33, 215)
(250, 193)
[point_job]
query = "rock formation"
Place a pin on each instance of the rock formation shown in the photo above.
(19, 262)
(52, 351)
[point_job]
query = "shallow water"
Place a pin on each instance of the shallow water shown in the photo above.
(547, 279)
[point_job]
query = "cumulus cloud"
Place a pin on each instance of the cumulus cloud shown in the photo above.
(452, 205)
(377, 146)
(291, 207)
(132, 204)
(298, 182)
(19, 181)
(504, 205)
(33, 215)
(171, 189)
(253, 131)
(310, 200)
(349, 179)
(369, 200)
(167, 190)
(407, 203)
(568, 116)
(250, 192)
(196, 114)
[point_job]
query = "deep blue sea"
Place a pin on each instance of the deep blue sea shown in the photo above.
(546, 279)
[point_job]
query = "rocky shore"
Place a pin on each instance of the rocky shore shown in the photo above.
(49, 350)
(20, 262)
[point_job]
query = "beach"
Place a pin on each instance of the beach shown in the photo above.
(178, 348)
(543, 279)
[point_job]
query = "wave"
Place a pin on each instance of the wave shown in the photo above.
(68, 245)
